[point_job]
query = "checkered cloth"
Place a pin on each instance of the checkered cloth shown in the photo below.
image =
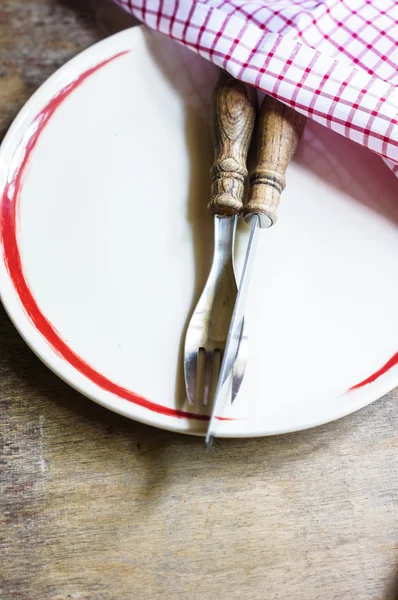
(335, 61)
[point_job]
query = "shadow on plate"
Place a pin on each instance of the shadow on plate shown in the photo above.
(346, 166)
(359, 173)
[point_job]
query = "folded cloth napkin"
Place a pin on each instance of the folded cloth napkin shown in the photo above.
(333, 60)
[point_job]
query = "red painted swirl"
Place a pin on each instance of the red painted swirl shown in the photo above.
(8, 228)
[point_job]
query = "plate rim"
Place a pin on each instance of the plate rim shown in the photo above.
(14, 306)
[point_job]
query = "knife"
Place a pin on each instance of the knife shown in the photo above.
(278, 130)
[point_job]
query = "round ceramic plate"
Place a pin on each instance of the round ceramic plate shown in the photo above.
(106, 244)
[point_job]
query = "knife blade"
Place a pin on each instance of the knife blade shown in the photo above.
(223, 390)
(278, 131)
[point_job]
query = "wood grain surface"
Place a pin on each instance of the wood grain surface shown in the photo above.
(234, 114)
(279, 129)
(94, 506)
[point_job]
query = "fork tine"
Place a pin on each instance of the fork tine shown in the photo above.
(190, 371)
(207, 377)
(200, 376)
(240, 362)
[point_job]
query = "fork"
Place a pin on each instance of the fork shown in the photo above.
(234, 113)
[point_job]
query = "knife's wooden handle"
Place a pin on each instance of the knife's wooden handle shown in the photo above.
(278, 129)
(234, 113)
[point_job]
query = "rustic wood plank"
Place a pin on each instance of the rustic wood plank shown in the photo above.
(94, 506)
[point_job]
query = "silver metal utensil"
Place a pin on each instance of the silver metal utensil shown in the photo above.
(234, 111)
(279, 129)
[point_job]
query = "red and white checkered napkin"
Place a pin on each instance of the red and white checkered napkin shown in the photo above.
(332, 60)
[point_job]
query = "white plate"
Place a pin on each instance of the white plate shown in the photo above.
(107, 243)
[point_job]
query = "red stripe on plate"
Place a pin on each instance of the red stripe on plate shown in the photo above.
(389, 365)
(8, 228)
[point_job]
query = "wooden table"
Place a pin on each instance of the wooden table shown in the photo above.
(95, 506)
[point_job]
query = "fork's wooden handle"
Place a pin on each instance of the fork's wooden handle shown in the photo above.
(234, 113)
(279, 129)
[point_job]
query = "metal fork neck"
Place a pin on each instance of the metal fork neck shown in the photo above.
(224, 237)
